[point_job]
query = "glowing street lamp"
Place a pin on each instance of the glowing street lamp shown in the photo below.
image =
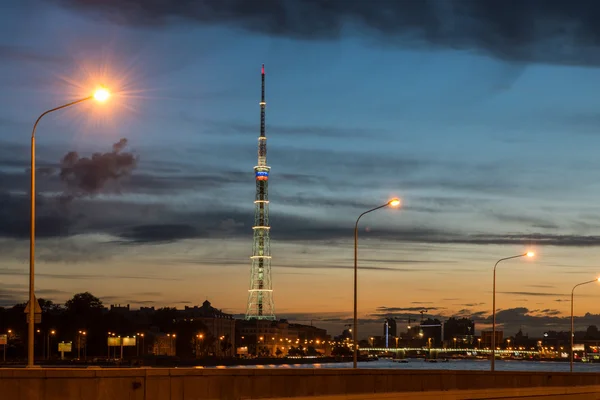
(392, 203)
(101, 95)
(528, 254)
(572, 320)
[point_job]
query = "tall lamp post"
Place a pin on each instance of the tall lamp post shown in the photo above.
(391, 203)
(52, 332)
(100, 95)
(528, 254)
(573, 322)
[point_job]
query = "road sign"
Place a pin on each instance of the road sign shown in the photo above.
(65, 347)
(37, 309)
(4, 339)
(37, 316)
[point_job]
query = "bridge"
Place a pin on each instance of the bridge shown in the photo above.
(447, 350)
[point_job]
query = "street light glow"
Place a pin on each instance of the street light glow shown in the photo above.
(394, 202)
(530, 254)
(101, 94)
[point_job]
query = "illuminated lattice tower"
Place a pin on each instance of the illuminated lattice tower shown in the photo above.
(260, 294)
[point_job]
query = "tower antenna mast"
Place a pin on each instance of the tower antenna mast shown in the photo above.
(260, 294)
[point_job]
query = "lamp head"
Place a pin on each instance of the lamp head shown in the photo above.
(101, 94)
(530, 254)
(394, 202)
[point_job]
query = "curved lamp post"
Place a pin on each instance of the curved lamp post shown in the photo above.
(528, 254)
(572, 320)
(391, 203)
(100, 95)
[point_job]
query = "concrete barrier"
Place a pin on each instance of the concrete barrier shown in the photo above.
(238, 384)
(574, 393)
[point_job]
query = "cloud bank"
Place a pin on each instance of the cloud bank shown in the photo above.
(545, 31)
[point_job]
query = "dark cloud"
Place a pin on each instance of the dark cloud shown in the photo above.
(22, 54)
(23, 272)
(326, 266)
(549, 31)
(363, 260)
(293, 228)
(296, 131)
(535, 294)
(510, 320)
(539, 223)
(160, 233)
(401, 173)
(404, 309)
(11, 294)
(165, 224)
(88, 176)
(14, 218)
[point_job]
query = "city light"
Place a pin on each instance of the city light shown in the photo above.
(394, 202)
(101, 94)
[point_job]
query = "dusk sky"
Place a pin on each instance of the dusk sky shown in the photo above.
(483, 119)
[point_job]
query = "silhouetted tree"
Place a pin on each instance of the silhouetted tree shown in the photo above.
(187, 332)
(225, 345)
(592, 333)
(296, 351)
(341, 351)
(206, 345)
(84, 303)
(311, 351)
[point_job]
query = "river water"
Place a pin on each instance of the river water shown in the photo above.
(462, 365)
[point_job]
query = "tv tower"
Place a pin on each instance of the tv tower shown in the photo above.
(260, 294)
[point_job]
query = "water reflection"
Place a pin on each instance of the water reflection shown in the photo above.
(462, 365)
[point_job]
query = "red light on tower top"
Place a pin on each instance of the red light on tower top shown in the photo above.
(263, 69)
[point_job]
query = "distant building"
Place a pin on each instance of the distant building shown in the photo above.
(486, 339)
(523, 341)
(220, 326)
(432, 332)
(164, 345)
(389, 327)
(267, 338)
(459, 332)
(119, 308)
(276, 338)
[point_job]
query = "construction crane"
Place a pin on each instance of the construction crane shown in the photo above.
(422, 313)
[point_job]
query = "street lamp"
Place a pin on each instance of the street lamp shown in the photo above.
(79, 345)
(101, 95)
(572, 320)
(528, 254)
(391, 203)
